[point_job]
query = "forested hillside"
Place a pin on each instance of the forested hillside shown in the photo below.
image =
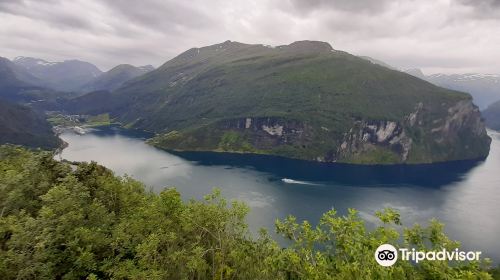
(23, 126)
(79, 221)
(304, 100)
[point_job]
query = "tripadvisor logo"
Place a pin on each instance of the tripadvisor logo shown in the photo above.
(387, 255)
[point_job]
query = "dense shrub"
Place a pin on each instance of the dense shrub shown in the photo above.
(63, 221)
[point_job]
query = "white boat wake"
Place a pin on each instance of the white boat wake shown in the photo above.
(291, 181)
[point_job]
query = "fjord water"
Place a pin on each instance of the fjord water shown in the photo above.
(463, 195)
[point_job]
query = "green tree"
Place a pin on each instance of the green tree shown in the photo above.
(80, 221)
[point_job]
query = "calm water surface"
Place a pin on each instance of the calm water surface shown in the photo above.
(464, 195)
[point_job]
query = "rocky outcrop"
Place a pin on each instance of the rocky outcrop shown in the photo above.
(366, 136)
(456, 133)
(459, 134)
(265, 133)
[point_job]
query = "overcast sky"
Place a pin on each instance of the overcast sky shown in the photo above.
(451, 36)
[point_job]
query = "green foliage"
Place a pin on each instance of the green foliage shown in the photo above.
(376, 155)
(60, 221)
(496, 273)
(234, 141)
(343, 248)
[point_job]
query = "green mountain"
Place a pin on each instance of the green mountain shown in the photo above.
(492, 116)
(304, 100)
(21, 125)
(116, 77)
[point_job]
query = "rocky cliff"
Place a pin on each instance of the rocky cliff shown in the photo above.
(417, 138)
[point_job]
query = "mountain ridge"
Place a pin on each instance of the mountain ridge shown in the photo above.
(303, 100)
(116, 77)
(68, 75)
(16, 85)
(485, 88)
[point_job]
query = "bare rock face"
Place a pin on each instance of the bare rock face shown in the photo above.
(460, 134)
(366, 136)
(457, 133)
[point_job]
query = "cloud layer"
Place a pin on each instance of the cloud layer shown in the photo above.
(452, 36)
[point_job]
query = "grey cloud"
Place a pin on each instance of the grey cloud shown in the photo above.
(372, 6)
(482, 9)
(48, 11)
(441, 35)
(161, 14)
(482, 3)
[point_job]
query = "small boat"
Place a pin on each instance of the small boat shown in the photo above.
(288, 181)
(291, 181)
(78, 130)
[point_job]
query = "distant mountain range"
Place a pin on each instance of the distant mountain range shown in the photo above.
(75, 75)
(116, 77)
(492, 116)
(69, 75)
(18, 85)
(484, 88)
(304, 100)
(20, 124)
(41, 84)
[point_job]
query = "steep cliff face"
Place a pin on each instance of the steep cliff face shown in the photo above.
(453, 133)
(420, 137)
(370, 141)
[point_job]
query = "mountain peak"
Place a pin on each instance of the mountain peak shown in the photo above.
(29, 62)
(307, 45)
(116, 77)
(148, 67)
(226, 45)
(68, 75)
(415, 72)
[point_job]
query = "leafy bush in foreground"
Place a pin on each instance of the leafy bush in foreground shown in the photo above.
(62, 222)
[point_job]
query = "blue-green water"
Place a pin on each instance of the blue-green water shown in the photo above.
(463, 195)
